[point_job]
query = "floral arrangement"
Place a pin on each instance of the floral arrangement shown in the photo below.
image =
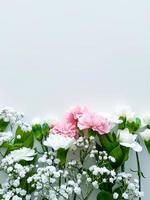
(83, 157)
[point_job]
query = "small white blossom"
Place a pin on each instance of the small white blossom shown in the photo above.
(5, 136)
(115, 195)
(125, 195)
(95, 184)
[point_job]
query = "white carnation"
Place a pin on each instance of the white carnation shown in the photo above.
(21, 154)
(57, 141)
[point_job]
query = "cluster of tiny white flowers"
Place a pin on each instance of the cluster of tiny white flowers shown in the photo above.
(24, 126)
(10, 115)
(102, 156)
(98, 175)
(14, 118)
(11, 188)
(132, 186)
(5, 136)
(83, 142)
(51, 182)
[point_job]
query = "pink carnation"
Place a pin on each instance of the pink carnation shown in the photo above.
(65, 129)
(95, 122)
(75, 113)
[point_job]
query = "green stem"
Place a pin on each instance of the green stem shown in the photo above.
(43, 147)
(74, 198)
(88, 194)
(123, 167)
(139, 172)
(1, 154)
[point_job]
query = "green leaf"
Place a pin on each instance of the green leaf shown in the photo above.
(134, 125)
(11, 147)
(108, 142)
(117, 153)
(26, 140)
(91, 132)
(45, 129)
(37, 131)
(147, 144)
(137, 123)
(123, 124)
(125, 151)
(62, 154)
(3, 125)
(103, 195)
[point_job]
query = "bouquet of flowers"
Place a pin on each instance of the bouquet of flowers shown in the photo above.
(80, 158)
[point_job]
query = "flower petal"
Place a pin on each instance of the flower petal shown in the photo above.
(126, 144)
(136, 147)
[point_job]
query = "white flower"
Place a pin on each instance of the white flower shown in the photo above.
(28, 197)
(129, 140)
(95, 184)
(77, 190)
(125, 111)
(21, 154)
(111, 118)
(5, 136)
(141, 194)
(18, 137)
(57, 141)
(146, 119)
(16, 183)
(115, 195)
(89, 179)
(69, 190)
(36, 121)
(145, 135)
(16, 198)
(125, 195)
(111, 180)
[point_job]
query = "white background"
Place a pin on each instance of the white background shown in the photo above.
(55, 54)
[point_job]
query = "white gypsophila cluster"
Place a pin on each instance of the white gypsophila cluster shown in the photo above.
(10, 115)
(131, 185)
(51, 182)
(84, 143)
(101, 175)
(11, 188)
(14, 118)
(5, 136)
(24, 126)
(103, 156)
